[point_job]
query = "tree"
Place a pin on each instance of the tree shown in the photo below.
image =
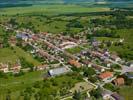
(92, 79)
(89, 72)
(96, 93)
(108, 43)
(13, 21)
(77, 95)
(26, 64)
(8, 96)
(3, 75)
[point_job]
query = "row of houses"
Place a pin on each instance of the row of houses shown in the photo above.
(6, 69)
(108, 76)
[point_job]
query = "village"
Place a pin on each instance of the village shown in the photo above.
(53, 50)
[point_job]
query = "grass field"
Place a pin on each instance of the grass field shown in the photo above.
(9, 55)
(127, 92)
(127, 48)
(19, 83)
(82, 86)
(51, 9)
(74, 50)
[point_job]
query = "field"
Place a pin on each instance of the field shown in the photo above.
(82, 86)
(54, 9)
(127, 48)
(74, 50)
(9, 55)
(127, 92)
(19, 83)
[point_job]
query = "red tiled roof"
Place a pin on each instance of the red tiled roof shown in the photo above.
(105, 75)
(75, 63)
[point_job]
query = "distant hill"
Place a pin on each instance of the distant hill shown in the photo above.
(55, 1)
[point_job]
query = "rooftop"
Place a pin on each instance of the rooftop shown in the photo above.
(105, 75)
(119, 81)
(75, 63)
(58, 71)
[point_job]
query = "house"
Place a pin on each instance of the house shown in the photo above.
(34, 37)
(119, 81)
(44, 54)
(16, 68)
(4, 68)
(96, 43)
(115, 58)
(107, 62)
(58, 71)
(42, 67)
(129, 75)
(130, 64)
(106, 53)
(116, 96)
(105, 95)
(96, 54)
(13, 41)
(98, 68)
(87, 63)
(74, 63)
(106, 76)
(44, 33)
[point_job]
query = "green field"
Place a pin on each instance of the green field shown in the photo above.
(74, 50)
(9, 55)
(54, 9)
(19, 83)
(127, 48)
(127, 92)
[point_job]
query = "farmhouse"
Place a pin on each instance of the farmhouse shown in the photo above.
(58, 71)
(106, 76)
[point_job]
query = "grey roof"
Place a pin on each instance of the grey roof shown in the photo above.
(58, 71)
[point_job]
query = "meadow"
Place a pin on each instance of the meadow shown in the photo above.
(16, 84)
(127, 92)
(9, 55)
(126, 50)
(53, 9)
